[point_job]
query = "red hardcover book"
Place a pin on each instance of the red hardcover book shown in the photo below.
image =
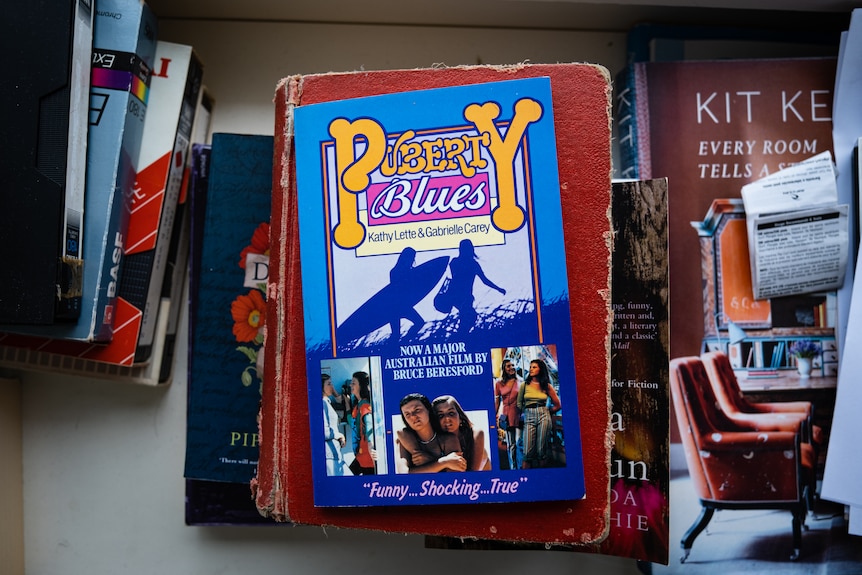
(283, 488)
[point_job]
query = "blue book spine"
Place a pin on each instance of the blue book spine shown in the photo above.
(229, 261)
(124, 51)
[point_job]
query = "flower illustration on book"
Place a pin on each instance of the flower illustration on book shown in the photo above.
(249, 313)
(248, 310)
(259, 244)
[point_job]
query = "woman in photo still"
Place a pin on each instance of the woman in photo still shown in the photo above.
(533, 402)
(506, 397)
(454, 420)
(332, 436)
(363, 426)
(423, 445)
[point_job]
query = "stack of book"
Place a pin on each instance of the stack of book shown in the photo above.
(395, 181)
(231, 190)
(233, 371)
(144, 96)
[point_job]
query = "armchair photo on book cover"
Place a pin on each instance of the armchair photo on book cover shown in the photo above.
(430, 226)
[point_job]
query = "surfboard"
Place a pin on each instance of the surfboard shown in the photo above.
(380, 308)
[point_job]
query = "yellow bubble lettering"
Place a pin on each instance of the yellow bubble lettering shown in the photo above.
(354, 173)
(508, 215)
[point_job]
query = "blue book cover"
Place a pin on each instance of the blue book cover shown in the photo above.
(124, 47)
(434, 282)
(229, 256)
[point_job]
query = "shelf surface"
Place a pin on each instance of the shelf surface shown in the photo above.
(550, 14)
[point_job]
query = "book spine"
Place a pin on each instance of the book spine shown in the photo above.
(178, 259)
(70, 271)
(172, 290)
(121, 78)
(269, 489)
(158, 186)
(632, 123)
(169, 215)
(198, 186)
(198, 191)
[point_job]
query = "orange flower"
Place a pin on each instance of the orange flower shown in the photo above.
(248, 312)
(259, 243)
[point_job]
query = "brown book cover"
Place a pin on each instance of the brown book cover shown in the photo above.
(283, 488)
(710, 127)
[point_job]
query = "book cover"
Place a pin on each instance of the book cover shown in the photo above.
(734, 122)
(124, 46)
(283, 485)
(164, 153)
(710, 127)
(439, 208)
(214, 502)
(229, 310)
(640, 461)
(44, 160)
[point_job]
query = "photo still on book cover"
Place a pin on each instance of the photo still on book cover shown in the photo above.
(435, 298)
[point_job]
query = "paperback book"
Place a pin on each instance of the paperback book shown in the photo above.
(640, 460)
(430, 231)
(222, 439)
(228, 278)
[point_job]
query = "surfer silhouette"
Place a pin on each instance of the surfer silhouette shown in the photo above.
(402, 304)
(464, 269)
(408, 284)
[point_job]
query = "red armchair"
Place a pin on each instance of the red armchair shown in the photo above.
(765, 416)
(793, 416)
(733, 465)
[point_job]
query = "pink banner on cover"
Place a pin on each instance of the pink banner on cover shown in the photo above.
(428, 199)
